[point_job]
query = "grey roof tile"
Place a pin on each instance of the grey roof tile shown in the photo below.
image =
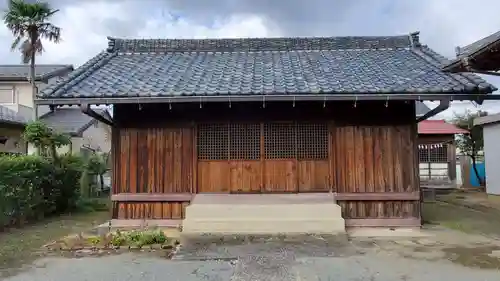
(473, 50)
(69, 120)
(264, 66)
(478, 45)
(8, 115)
(21, 71)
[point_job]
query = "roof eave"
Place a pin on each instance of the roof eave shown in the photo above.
(39, 78)
(478, 96)
(58, 72)
(487, 120)
(19, 79)
(467, 54)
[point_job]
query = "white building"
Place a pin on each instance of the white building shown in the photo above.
(491, 132)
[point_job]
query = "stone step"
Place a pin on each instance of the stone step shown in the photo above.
(263, 226)
(281, 211)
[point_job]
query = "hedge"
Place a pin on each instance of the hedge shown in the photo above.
(32, 187)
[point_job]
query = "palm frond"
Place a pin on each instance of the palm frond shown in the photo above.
(26, 49)
(30, 22)
(15, 43)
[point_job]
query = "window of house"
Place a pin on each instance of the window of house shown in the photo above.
(7, 94)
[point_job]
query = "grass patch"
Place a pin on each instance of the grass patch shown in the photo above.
(463, 213)
(21, 246)
(474, 257)
(133, 239)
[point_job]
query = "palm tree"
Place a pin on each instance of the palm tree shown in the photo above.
(29, 23)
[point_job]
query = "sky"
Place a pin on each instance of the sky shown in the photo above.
(443, 24)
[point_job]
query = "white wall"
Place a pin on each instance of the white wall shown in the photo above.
(492, 157)
(98, 136)
(23, 103)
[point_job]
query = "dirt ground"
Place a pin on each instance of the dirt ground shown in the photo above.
(21, 246)
(460, 241)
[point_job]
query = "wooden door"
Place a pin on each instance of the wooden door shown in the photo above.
(278, 157)
(229, 157)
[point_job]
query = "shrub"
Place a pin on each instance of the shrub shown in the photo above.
(20, 180)
(67, 173)
(34, 186)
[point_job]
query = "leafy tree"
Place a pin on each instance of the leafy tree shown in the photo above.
(29, 23)
(470, 144)
(97, 164)
(44, 139)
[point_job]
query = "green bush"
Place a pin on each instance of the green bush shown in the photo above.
(34, 186)
(67, 171)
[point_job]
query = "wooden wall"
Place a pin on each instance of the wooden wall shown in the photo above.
(375, 174)
(152, 161)
(371, 163)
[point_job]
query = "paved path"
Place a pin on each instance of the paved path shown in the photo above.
(310, 258)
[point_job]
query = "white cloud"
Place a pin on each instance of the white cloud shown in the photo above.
(232, 27)
(444, 24)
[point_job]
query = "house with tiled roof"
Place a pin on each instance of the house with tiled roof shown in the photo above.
(86, 133)
(266, 134)
(15, 88)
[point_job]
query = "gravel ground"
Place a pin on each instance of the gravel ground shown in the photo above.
(299, 258)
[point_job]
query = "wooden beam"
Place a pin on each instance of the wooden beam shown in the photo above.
(86, 109)
(152, 197)
(378, 196)
(384, 222)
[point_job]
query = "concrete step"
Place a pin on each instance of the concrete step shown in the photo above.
(264, 226)
(263, 214)
(281, 211)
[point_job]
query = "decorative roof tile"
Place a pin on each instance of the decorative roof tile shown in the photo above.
(263, 66)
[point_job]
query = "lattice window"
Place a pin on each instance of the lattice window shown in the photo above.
(312, 141)
(433, 153)
(280, 141)
(244, 141)
(213, 141)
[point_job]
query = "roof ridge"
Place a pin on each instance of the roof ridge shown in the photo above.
(259, 44)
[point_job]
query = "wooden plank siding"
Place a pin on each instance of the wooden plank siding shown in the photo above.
(370, 159)
(152, 161)
(375, 172)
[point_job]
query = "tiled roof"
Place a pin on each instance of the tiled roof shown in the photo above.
(263, 66)
(20, 72)
(69, 120)
(8, 115)
(478, 45)
(438, 127)
(473, 50)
